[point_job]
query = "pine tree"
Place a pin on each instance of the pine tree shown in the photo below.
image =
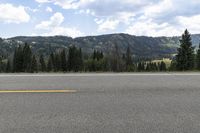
(8, 67)
(52, 61)
(115, 59)
(63, 61)
(141, 67)
(101, 55)
(15, 61)
(148, 67)
(71, 58)
(185, 56)
(173, 65)
(163, 66)
(80, 60)
(57, 62)
(27, 56)
(49, 64)
(198, 58)
(94, 55)
(42, 64)
(18, 60)
(75, 59)
(1, 64)
(128, 58)
(155, 67)
(34, 65)
(97, 55)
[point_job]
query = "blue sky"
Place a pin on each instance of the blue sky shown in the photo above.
(94, 17)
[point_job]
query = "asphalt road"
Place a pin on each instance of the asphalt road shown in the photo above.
(103, 103)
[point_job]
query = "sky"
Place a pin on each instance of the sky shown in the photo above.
(77, 18)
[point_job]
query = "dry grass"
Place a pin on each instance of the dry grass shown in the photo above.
(166, 60)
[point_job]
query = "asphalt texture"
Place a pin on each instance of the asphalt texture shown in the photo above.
(102, 103)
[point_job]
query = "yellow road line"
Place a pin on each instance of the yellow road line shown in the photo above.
(38, 91)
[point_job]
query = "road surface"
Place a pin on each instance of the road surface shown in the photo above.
(100, 103)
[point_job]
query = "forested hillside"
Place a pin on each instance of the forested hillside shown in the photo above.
(139, 45)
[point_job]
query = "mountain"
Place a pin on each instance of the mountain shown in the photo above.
(140, 45)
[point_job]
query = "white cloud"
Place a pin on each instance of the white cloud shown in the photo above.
(150, 28)
(13, 14)
(53, 27)
(101, 7)
(49, 9)
(112, 23)
(109, 12)
(193, 26)
(32, 10)
(98, 21)
(165, 10)
(56, 20)
(167, 18)
(145, 26)
(108, 25)
(125, 17)
(72, 32)
(42, 1)
(140, 17)
(159, 8)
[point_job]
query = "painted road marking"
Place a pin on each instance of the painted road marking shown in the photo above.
(38, 91)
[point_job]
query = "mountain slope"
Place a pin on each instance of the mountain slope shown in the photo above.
(140, 45)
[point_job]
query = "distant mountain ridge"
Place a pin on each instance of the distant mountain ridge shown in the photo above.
(140, 45)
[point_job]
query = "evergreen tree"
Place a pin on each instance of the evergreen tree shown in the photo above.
(63, 61)
(173, 65)
(57, 62)
(101, 55)
(15, 61)
(27, 56)
(143, 66)
(42, 64)
(52, 61)
(34, 65)
(49, 64)
(80, 60)
(139, 67)
(155, 67)
(198, 58)
(97, 55)
(8, 67)
(128, 58)
(18, 60)
(1, 64)
(115, 59)
(71, 57)
(163, 66)
(94, 55)
(148, 67)
(75, 59)
(185, 56)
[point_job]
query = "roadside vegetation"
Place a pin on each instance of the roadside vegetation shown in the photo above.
(74, 60)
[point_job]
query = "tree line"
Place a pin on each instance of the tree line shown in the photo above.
(74, 60)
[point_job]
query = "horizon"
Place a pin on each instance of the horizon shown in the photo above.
(80, 18)
(96, 35)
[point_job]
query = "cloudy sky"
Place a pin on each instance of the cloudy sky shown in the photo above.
(94, 17)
